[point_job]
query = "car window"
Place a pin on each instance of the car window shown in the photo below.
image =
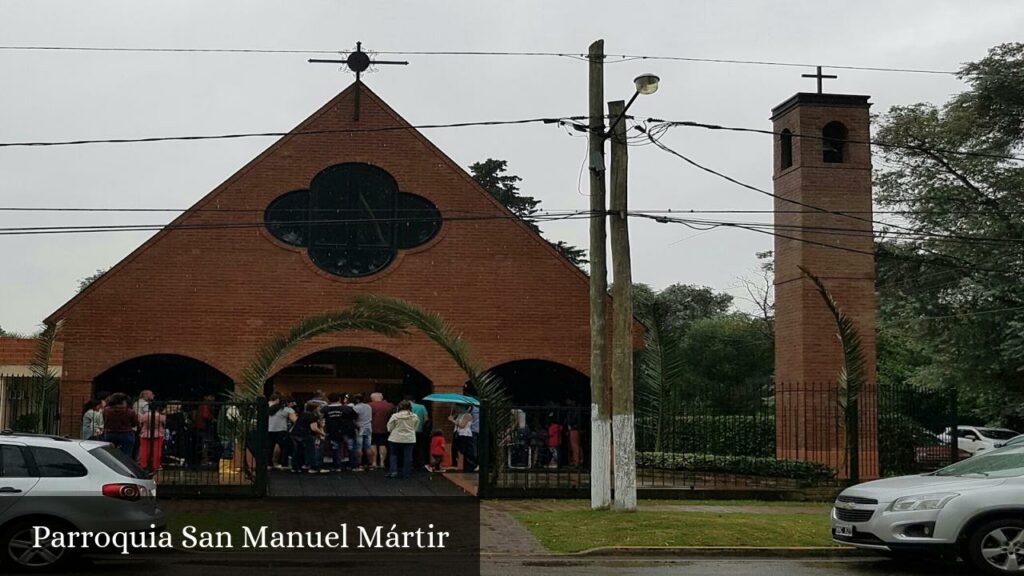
(12, 463)
(998, 434)
(56, 463)
(1000, 463)
(116, 460)
(963, 432)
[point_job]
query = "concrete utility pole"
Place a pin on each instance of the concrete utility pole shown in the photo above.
(600, 422)
(622, 320)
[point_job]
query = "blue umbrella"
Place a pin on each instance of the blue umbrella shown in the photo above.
(452, 399)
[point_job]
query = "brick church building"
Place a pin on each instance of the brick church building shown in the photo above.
(186, 311)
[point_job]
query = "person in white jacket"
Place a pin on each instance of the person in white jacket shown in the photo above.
(401, 440)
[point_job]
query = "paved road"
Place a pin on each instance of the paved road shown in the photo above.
(505, 566)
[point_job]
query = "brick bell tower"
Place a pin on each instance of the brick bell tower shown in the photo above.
(822, 160)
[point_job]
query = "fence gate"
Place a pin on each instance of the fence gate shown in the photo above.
(916, 429)
(201, 448)
(25, 408)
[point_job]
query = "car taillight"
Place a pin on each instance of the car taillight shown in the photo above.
(131, 492)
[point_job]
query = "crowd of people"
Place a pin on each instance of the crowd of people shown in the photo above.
(338, 432)
(329, 433)
(158, 434)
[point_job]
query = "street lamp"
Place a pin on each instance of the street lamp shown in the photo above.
(645, 84)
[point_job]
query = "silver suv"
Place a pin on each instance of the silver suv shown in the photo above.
(67, 485)
(974, 508)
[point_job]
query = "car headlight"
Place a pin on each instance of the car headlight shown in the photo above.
(922, 502)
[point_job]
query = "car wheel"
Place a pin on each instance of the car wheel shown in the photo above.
(997, 547)
(17, 550)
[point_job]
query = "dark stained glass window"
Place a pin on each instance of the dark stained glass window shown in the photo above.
(353, 219)
(287, 218)
(418, 221)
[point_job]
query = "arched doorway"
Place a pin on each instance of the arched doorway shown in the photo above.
(349, 371)
(169, 376)
(542, 382)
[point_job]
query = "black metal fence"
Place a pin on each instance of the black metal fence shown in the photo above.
(24, 407)
(916, 429)
(205, 448)
(745, 438)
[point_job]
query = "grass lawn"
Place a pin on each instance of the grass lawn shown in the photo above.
(230, 522)
(573, 531)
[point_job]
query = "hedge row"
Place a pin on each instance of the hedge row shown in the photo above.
(724, 435)
(770, 467)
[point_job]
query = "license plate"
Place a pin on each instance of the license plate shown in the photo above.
(843, 530)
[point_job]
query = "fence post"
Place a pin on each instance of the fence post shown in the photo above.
(484, 454)
(954, 442)
(260, 448)
(853, 437)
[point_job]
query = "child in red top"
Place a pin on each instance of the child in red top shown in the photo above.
(554, 441)
(436, 451)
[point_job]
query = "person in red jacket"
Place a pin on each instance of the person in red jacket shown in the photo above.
(436, 451)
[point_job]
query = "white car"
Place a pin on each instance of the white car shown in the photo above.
(67, 485)
(975, 439)
(974, 509)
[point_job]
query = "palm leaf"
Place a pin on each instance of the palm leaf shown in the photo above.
(487, 386)
(266, 359)
(853, 374)
(44, 377)
(661, 366)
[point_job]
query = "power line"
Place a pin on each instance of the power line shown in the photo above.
(295, 133)
(573, 55)
(879, 143)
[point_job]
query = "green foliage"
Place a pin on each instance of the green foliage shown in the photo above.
(44, 378)
(730, 361)
(684, 304)
(659, 367)
(745, 435)
(852, 375)
(937, 293)
(810, 472)
(265, 362)
(29, 423)
(492, 175)
(85, 282)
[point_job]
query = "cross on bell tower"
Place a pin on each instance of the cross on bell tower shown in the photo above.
(358, 62)
(820, 77)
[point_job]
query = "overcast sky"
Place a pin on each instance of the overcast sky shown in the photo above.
(72, 95)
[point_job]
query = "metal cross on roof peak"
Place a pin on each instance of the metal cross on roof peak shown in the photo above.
(358, 62)
(819, 76)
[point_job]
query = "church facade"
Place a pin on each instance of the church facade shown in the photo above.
(338, 208)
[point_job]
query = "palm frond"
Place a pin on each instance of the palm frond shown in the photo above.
(661, 368)
(45, 377)
(852, 376)
(487, 386)
(266, 359)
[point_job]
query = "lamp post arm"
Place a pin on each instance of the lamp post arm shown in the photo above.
(611, 129)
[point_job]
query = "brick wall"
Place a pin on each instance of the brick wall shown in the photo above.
(215, 295)
(806, 347)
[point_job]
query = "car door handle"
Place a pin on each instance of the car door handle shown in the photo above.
(9, 490)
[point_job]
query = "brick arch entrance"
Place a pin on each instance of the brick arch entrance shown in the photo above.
(349, 370)
(169, 376)
(536, 382)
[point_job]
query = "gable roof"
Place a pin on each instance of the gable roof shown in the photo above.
(367, 98)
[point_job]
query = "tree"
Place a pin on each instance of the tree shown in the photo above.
(85, 282)
(950, 273)
(729, 363)
(683, 304)
(492, 175)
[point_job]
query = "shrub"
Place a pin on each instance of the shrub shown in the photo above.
(752, 466)
(724, 435)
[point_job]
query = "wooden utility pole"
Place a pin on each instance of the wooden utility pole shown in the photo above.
(622, 320)
(600, 418)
